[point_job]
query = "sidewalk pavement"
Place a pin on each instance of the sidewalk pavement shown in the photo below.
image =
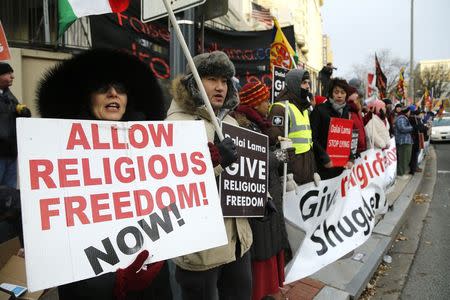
(347, 278)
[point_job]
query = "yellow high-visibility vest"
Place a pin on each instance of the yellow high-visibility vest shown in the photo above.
(299, 129)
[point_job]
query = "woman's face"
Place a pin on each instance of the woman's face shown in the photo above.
(339, 94)
(109, 103)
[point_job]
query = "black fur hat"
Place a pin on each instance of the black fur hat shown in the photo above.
(65, 90)
(215, 63)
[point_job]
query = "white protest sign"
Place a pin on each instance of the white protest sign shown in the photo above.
(95, 193)
(339, 214)
(278, 81)
(155, 9)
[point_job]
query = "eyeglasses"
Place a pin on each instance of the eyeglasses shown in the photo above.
(119, 87)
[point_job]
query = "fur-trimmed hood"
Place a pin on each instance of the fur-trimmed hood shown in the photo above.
(183, 102)
(65, 90)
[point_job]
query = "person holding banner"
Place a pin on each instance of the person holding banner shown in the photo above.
(269, 232)
(226, 268)
(297, 93)
(335, 108)
(110, 85)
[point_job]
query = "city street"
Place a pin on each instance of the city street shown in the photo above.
(429, 277)
(420, 261)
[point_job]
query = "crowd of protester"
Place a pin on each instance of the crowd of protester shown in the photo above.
(251, 265)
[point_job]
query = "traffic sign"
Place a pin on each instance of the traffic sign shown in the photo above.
(155, 9)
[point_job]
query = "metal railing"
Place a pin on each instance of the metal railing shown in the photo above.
(34, 24)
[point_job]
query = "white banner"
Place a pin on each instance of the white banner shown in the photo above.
(339, 214)
(94, 194)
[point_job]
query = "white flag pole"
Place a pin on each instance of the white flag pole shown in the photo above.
(197, 78)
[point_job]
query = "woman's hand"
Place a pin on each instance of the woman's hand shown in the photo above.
(349, 165)
(329, 165)
(135, 277)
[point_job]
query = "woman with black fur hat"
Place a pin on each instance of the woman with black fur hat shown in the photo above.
(105, 84)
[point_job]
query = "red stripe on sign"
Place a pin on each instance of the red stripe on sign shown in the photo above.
(119, 5)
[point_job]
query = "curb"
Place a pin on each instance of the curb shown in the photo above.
(346, 278)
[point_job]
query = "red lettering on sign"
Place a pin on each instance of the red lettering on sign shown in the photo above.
(116, 144)
(64, 171)
(119, 205)
(97, 207)
(87, 177)
(141, 196)
(72, 210)
(197, 159)
(44, 174)
(131, 176)
(46, 212)
(77, 137)
(96, 143)
(132, 136)
(152, 166)
(159, 196)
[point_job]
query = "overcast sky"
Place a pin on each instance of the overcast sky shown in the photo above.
(358, 28)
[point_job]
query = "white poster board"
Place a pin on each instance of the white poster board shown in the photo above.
(94, 194)
(155, 9)
(339, 214)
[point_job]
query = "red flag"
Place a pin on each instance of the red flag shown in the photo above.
(381, 79)
(4, 49)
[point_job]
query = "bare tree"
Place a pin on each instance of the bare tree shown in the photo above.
(389, 64)
(435, 78)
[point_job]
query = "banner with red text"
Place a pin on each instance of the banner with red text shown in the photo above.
(94, 194)
(339, 141)
(339, 214)
(248, 50)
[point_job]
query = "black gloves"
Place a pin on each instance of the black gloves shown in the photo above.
(228, 152)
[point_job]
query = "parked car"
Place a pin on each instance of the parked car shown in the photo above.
(440, 130)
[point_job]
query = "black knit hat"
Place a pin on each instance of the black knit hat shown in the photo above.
(65, 90)
(5, 68)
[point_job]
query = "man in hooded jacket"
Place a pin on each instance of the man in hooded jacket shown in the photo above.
(297, 93)
(226, 268)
